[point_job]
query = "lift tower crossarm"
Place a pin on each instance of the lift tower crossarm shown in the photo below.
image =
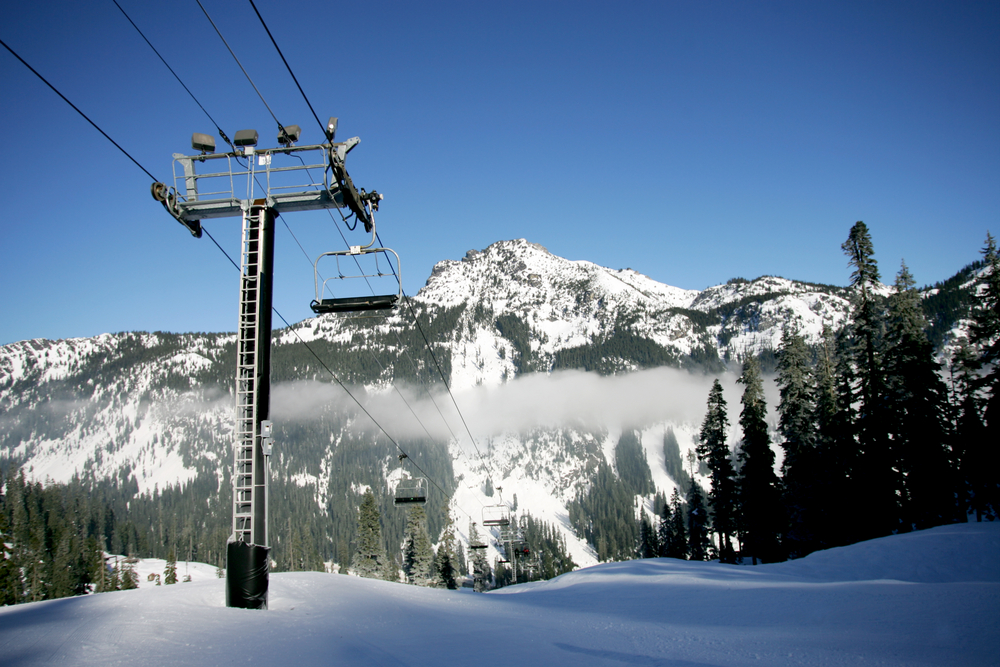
(293, 187)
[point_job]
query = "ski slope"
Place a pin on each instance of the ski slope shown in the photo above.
(926, 598)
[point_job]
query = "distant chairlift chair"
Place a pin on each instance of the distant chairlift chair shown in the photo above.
(496, 515)
(410, 491)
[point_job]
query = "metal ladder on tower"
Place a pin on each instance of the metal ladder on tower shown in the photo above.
(246, 379)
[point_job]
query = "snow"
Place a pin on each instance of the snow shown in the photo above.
(927, 598)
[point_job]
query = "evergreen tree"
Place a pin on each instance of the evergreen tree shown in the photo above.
(61, 584)
(461, 561)
(759, 498)
(796, 409)
(115, 580)
(11, 589)
(985, 335)
(392, 570)
(840, 453)
(418, 553)
(99, 574)
(826, 523)
(679, 542)
(369, 558)
(672, 533)
(444, 562)
(876, 510)
(697, 526)
(170, 573)
(482, 573)
(713, 450)
(916, 399)
(648, 543)
(664, 529)
(970, 449)
(128, 577)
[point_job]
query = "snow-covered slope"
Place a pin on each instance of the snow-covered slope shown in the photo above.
(927, 598)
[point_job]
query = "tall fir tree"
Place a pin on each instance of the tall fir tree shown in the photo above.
(62, 580)
(874, 504)
(672, 533)
(916, 403)
(649, 546)
(445, 561)
(830, 482)
(115, 576)
(99, 574)
(800, 473)
(369, 557)
(697, 524)
(761, 511)
(840, 452)
(969, 448)
(985, 335)
(712, 449)
(418, 552)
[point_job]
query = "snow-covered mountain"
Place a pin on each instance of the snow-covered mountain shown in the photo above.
(549, 362)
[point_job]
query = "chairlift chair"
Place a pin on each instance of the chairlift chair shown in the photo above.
(411, 491)
(496, 515)
(362, 303)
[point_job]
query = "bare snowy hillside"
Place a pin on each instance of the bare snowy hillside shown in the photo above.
(925, 598)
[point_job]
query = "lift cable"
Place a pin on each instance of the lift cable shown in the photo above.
(446, 386)
(85, 117)
(217, 127)
(342, 385)
(443, 379)
(375, 358)
(363, 409)
(236, 266)
(281, 128)
(322, 127)
(221, 132)
(285, 222)
(289, 68)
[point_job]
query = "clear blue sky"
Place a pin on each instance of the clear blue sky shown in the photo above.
(692, 142)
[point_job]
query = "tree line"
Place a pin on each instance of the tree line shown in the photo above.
(879, 437)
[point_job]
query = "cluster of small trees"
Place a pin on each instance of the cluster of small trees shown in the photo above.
(539, 553)
(875, 440)
(421, 566)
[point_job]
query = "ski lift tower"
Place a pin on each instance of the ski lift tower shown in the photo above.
(257, 184)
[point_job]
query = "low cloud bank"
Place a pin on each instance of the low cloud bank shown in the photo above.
(537, 401)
